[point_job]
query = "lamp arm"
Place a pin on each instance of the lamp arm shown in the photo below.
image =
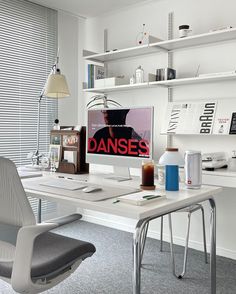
(40, 97)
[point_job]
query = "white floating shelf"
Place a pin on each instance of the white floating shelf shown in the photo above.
(189, 134)
(197, 40)
(169, 83)
(169, 45)
(122, 53)
(117, 88)
(194, 80)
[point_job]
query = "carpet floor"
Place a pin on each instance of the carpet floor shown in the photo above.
(109, 270)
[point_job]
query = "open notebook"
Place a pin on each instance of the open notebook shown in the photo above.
(142, 198)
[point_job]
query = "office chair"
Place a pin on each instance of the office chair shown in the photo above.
(32, 259)
(189, 210)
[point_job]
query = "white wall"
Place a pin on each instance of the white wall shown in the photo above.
(202, 16)
(68, 33)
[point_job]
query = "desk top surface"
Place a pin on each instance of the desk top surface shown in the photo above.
(173, 200)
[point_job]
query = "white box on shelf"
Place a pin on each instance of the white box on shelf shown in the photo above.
(110, 82)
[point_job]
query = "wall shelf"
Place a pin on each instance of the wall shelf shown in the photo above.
(169, 45)
(168, 84)
(194, 80)
(197, 40)
(117, 88)
(123, 53)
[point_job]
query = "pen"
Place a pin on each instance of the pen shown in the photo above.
(149, 197)
(69, 178)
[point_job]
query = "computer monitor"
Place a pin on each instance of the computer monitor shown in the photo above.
(121, 137)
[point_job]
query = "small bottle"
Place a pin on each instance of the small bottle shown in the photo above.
(171, 159)
(56, 125)
(139, 75)
(132, 80)
(232, 162)
(221, 129)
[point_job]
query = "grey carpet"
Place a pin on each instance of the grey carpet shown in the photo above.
(109, 271)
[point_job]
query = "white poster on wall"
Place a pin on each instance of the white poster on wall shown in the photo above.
(190, 117)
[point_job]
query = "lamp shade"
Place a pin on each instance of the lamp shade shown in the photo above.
(171, 157)
(56, 86)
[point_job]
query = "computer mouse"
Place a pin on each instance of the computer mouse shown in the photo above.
(91, 189)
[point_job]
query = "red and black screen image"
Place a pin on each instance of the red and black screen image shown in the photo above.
(123, 132)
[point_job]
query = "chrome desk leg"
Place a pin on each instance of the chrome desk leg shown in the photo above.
(161, 235)
(137, 247)
(186, 247)
(204, 234)
(144, 237)
(213, 246)
(171, 245)
(39, 216)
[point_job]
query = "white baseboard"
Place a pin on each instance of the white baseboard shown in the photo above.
(100, 219)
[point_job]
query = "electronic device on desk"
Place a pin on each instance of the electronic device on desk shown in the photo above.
(121, 137)
(215, 160)
(72, 149)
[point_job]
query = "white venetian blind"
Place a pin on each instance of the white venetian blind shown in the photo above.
(28, 45)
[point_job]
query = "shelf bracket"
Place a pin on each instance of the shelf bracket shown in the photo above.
(105, 50)
(170, 64)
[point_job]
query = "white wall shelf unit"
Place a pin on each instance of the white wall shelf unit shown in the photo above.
(169, 45)
(168, 84)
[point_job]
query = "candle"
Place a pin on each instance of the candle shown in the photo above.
(148, 173)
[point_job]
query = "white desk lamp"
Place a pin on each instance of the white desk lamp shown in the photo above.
(55, 87)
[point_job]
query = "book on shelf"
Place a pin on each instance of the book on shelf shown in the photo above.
(217, 117)
(225, 119)
(190, 117)
(232, 130)
(95, 72)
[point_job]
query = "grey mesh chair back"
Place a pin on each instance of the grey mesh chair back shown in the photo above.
(39, 259)
(14, 206)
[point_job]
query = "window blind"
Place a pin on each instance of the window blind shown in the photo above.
(28, 45)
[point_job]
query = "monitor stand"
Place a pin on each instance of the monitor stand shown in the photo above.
(121, 174)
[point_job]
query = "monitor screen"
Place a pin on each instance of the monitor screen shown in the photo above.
(120, 132)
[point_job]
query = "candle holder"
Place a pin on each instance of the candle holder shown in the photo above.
(148, 175)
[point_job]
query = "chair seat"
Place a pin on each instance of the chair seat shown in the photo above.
(52, 254)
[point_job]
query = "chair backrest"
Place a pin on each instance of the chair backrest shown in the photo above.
(15, 208)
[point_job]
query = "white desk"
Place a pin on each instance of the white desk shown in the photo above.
(220, 177)
(143, 214)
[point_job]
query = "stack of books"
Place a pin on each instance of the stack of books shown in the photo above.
(95, 72)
